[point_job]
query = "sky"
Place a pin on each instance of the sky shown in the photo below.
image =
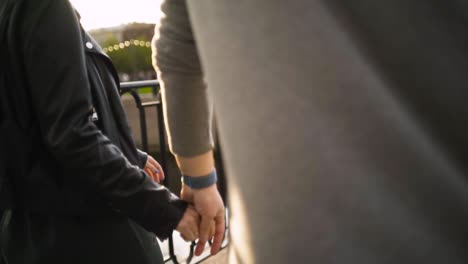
(107, 13)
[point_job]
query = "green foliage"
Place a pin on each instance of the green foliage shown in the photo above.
(145, 90)
(130, 59)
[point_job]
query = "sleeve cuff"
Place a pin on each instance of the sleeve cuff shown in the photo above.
(169, 219)
(142, 158)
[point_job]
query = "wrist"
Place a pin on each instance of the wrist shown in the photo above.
(200, 182)
(210, 189)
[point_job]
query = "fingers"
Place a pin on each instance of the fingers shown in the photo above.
(188, 225)
(157, 166)
(212, 230)
(205, 227)
(189, 235)
(220, 225)
(208, 228)
(151, 171)
(161, 172)
(154, 169)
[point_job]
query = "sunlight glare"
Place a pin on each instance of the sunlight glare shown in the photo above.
(106, 13)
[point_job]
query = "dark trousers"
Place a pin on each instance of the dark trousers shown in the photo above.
(40, 238)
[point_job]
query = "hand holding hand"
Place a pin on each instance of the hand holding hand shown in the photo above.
(207, 201)
(188, 225)
(210, 206)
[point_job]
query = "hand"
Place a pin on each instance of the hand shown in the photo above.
(210, 206)
(188, 225)
(154, 170)
(186, 194)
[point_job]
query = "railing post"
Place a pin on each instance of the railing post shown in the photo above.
(142, 116)
(162, 145)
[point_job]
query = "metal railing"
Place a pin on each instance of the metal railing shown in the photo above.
(132, 89)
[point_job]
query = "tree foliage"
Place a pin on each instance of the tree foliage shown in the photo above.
(130, 59)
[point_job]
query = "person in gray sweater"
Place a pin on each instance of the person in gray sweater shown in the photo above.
(344, 124)
(188, 114)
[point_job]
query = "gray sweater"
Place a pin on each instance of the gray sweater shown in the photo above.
(344, 124)
(188, 112)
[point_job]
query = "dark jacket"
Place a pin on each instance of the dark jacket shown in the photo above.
(108, 113)
(75, 165)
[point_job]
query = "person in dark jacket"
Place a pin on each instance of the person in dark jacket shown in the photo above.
(108, 113)
(81, 197)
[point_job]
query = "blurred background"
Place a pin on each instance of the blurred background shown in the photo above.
(124, 30)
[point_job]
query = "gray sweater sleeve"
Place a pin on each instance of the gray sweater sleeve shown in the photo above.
(188, 110)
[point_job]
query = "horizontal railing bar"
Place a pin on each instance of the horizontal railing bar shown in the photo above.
(138, 84)
(149, 104)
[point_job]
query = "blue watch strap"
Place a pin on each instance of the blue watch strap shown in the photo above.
(201, 181)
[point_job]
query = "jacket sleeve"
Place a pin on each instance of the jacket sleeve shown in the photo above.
(142, 158)
(60, 94)
(188, 110)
